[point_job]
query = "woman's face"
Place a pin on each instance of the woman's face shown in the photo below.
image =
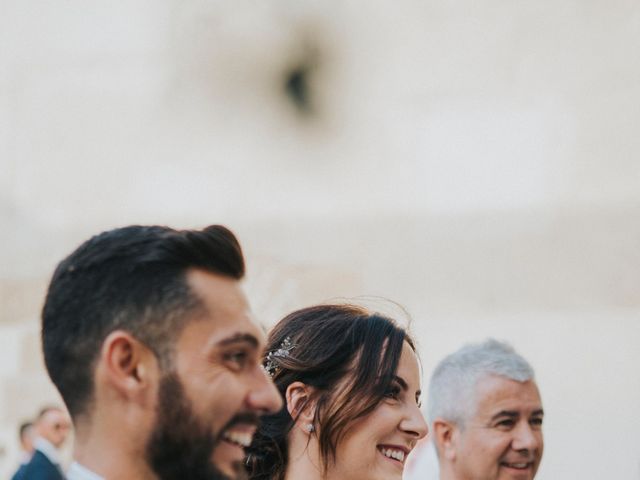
(376, 446)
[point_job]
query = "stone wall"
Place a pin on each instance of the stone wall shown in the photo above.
(475, 162)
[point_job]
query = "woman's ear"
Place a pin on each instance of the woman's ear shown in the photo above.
(301, 405)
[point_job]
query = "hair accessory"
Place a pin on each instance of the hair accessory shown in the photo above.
(271, 366)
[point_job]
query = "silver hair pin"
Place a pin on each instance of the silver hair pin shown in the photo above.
(271, 367)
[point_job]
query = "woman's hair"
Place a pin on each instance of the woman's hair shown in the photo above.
(348, 355)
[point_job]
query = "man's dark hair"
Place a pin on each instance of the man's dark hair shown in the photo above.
(132, 279)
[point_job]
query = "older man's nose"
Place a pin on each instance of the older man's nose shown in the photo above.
(526, 438)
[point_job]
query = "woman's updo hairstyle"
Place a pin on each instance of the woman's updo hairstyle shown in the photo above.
(321, 346)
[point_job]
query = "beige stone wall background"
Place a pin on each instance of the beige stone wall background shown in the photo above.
(474, 161)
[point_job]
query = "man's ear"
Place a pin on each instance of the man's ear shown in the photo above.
(445, 435)
(301, 405)
(129, 365)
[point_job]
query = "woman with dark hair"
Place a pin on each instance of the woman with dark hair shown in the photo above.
(350, 381)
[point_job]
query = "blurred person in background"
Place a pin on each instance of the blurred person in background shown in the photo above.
(51, 428)
(149, 339)
(26, 436)
(350, 381)
(486, 414)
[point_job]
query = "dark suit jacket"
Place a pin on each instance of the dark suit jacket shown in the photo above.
(19, 475)
(41, 468)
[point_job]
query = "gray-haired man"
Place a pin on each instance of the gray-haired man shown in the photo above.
(486, 414)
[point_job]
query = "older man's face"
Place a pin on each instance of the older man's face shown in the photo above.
(54, 426)
(502, 439)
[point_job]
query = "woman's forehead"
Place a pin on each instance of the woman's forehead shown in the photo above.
(409, 367)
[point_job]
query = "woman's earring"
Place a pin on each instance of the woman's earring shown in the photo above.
(310, 428)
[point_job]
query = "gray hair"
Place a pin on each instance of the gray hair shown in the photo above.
(452, 385)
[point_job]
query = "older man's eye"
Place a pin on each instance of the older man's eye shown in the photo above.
(536, 422)
(506, 423)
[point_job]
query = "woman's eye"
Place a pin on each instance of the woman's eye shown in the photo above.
(393, 392)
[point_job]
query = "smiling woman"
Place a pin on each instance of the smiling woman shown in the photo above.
(351, 384)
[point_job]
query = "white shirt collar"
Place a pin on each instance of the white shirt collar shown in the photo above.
(47, 449)
(79, 472)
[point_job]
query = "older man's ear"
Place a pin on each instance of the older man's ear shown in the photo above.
(444, 435)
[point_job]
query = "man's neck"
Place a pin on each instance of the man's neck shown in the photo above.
(111, 458)
(25, 456)
(446, 472)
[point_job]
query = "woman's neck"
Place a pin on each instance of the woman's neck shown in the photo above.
(303, 468)
(304, 459)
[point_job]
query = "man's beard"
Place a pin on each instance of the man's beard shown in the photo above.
(181, 446)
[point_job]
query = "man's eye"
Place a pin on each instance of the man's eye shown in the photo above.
(536, 422)
(238, 359)
(507, 423)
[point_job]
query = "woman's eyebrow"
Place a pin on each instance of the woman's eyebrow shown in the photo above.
(403, 384)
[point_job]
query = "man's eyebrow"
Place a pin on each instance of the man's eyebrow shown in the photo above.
(506, 413)
(515, 414)
(239, 338)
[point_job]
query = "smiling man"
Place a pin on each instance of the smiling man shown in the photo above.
(486, 414)
(149, 339)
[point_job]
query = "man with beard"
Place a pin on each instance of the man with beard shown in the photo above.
(148, 337)
(486, 414)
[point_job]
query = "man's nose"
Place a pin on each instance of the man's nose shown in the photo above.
(264, 396)
(526, 438)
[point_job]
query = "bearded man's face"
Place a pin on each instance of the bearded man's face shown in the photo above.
(210, 399)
